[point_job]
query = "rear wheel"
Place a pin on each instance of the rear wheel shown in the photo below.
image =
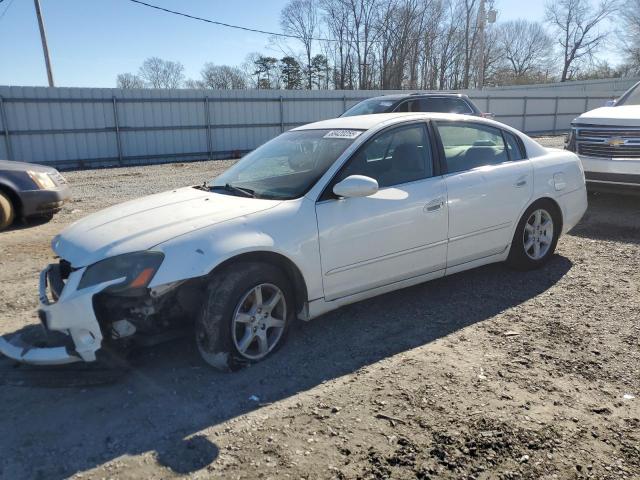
(7, 212)
(536, 236)
(246, 316)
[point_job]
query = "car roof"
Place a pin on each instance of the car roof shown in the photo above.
(380, 120)
(402, 96)
(367, 122)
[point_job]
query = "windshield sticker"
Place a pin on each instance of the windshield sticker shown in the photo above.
(347, 134)
(386, 103)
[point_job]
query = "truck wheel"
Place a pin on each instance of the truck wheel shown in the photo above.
(536, 236)
(246, 315)
(7, 212)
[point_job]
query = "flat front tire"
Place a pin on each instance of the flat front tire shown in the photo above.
(536, 236)
(7, 212)
(246, 315)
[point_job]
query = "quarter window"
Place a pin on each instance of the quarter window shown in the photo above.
(515, 152)
(393, 157)
(468, 146)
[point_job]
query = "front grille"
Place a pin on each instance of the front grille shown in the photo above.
(608, 142)
(65, 269)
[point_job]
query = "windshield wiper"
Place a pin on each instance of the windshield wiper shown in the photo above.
(245, 192)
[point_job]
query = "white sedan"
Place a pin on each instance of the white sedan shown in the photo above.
(324, 215)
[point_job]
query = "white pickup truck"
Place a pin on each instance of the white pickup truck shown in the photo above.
(607, 140)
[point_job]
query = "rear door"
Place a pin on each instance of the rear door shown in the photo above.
(489, 183)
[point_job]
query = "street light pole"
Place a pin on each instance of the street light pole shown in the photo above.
(43, 37)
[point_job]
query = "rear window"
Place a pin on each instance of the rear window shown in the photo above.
(435, 104)
(367, 107)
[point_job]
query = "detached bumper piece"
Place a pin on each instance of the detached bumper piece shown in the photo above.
(67, 316)
(17, 349)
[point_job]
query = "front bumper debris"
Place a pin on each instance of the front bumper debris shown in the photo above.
(71, 313)
(17, 349)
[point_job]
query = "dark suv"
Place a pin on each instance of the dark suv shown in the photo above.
(417, 102)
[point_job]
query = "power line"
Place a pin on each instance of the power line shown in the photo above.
(228, 25)
(6, 9)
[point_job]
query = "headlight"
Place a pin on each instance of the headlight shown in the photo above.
(570, 140)
(42, 180)
(136, 270)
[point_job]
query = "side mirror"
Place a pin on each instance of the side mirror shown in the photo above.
(610, 103)
(356, 186)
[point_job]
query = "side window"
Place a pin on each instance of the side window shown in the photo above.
(403, 107)
(409, 106)
(468, 146)
(444, 105)
(393, 157)
(515, 151)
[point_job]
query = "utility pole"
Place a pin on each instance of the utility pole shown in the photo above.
(43, 37)
(483, 18)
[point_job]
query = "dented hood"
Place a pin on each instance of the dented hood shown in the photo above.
(146, 222)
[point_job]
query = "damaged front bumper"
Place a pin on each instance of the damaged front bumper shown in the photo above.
(70, 312)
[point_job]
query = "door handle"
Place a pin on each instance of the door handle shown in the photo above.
(521, 182)
(434, 205)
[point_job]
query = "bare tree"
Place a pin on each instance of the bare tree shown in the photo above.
(630, 34)
(129, 80)
(577, 23)
(336, 19)
(222, 77)
(159, 73)
(364, 35)
(525, 45)
(300, 18)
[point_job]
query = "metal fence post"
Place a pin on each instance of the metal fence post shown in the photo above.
(281, 115)
(117, 126)
(586, 104)
(344, 103)
(207, 120)
(524, 116)
(7, 140)
(488, 104)
(555, 116)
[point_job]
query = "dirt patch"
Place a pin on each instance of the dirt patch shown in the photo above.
(486, 374)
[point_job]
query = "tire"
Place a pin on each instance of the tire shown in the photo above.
(7, 212)
(233, 326)
(536, 236)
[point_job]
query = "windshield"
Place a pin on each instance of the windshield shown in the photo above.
(287, 166)
(366, 107)
(631, 97)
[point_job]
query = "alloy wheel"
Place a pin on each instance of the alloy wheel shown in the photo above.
(259, 321)
(538, 234)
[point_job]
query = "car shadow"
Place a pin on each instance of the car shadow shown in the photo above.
(169, 396)
(25, 223)
(611, 217)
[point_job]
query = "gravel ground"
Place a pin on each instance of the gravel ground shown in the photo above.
(485, 374)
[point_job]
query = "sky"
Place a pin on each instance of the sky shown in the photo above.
(91, 41)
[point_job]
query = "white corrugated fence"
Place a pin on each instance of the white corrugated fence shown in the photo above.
(91, 127)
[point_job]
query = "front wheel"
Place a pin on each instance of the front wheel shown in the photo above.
(7, 212)
(536, 236)
(246, 316)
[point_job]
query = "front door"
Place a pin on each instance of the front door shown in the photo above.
(489, 183)
(396, 234)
